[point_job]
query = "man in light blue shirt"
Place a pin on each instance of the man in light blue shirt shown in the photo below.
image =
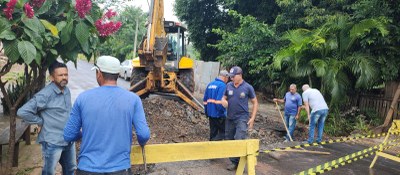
(50, 109)
(293, 104)
(314, 99)
(104, 118)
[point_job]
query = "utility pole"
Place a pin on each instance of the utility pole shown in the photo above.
(136, 31)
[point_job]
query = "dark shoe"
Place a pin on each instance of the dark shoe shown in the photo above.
(232, 167)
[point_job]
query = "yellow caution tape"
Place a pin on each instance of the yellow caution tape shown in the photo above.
(341, 160)
(329, 142)
(352, 160)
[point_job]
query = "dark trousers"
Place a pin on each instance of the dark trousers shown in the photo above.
(121, 172)
(236, 129)
(217, 128)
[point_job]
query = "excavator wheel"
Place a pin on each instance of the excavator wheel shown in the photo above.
(138, 74)
(186, 76)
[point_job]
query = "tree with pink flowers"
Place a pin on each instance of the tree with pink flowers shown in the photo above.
(37, 32)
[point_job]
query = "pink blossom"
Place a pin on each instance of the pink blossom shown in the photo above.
(83, 7)
(28, 10)
(109, 14)
(37, 3)
(11, 3)
(9, 10)
(107, 28)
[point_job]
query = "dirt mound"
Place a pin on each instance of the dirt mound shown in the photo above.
(269, 130)
(172, 121)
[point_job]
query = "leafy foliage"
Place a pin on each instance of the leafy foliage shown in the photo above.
(122, 43)
(201, 17)
(250, 33)
(55, 30)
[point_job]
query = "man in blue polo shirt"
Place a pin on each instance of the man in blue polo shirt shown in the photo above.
(103, 118)
(238, 93)
(293, 104)
(214, 106)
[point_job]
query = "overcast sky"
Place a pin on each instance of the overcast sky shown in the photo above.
(168, 8)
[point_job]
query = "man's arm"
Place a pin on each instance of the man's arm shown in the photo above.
(299, 104)
(307, 107)
(221, 101)
(279, 100)
(29, 111)
(254, 101)
(298, 112)
(72, 130)
(139, 122)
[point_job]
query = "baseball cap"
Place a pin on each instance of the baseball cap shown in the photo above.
(235, 71)
(107, 64)
(224, 73)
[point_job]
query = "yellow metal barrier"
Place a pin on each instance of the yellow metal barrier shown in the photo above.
(394, 128)
(247, 150)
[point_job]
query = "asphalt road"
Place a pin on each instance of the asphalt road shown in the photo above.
(82, 78)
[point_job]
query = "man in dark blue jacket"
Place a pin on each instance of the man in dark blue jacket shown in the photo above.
(214, 105)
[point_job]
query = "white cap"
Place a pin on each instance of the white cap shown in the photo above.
(107, 64)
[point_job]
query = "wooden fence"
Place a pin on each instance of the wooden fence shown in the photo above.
(380, 104)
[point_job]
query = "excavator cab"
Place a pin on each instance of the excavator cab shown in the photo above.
(168, 71)
(175, 33)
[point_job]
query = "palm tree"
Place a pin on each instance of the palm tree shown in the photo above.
(332, 55)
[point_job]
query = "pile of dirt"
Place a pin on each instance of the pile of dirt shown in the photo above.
(269, 130)
(173, 121)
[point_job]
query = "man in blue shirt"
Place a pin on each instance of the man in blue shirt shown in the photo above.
(214, 106)
(239, 120)
(103, 118)
(293, 104)
(50, 109)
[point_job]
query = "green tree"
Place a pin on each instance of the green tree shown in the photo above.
(121, 45)
(333, 56)
(257, 43)
(35, 33)
(201, 17)
(385, 49)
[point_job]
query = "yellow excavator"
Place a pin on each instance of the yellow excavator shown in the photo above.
(162, 66)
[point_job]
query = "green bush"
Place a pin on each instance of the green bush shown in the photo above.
(303, 117)
(337, 125)
(14, 90)
(353, 120)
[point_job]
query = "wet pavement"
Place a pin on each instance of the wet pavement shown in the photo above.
(82, 78)
(291, 163)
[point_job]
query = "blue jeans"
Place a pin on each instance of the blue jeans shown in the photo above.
(121, 172)
(317, 117)
(52, 154)
(290, 121)
(235, 130)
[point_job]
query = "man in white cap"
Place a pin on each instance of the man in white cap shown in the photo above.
(103, 117)
(214, 105)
